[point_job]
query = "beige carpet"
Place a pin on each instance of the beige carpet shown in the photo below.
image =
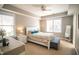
(65, 48)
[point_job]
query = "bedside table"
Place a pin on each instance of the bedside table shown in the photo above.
(22, 38)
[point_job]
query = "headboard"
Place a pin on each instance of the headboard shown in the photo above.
(31, 28)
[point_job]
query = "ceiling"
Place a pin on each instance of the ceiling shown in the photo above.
(36, 8)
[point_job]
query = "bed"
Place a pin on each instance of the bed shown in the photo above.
(41, 38)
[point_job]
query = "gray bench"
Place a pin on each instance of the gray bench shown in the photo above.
(55, 42)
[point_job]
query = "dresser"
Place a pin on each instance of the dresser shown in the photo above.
(15, 47)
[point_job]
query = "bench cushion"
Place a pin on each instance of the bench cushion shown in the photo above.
(55, 42)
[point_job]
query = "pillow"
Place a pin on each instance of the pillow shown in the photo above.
(33, 32)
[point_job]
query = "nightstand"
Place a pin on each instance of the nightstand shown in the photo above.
(22, 38)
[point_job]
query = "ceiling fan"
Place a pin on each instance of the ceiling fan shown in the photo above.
(45, 8)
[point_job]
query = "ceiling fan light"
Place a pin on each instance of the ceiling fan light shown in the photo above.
(43, 7)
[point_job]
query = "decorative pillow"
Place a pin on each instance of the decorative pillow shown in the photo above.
(33, 32)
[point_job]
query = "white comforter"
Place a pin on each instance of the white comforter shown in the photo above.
(42, 35)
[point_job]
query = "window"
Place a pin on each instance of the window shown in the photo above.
(54, 25)
(49, 26)
(7, 24)
(57, 25)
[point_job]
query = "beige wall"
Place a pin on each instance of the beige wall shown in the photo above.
(67, 20)
(43, 25)
(25, 21)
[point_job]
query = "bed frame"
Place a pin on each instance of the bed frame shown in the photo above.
(31, 39)
(41, 43)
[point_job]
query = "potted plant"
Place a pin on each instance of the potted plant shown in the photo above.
(2, 33)
(2, 39)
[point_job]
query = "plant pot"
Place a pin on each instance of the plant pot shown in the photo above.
(1, 43)
(4, 42)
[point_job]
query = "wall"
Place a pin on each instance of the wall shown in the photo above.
(43, 25)
(24, 22)
(67, 20)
